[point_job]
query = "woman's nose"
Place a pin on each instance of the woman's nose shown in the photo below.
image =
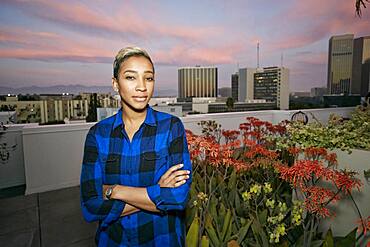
(141, 84)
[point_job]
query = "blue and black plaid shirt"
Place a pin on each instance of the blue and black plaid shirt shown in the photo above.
(110, 158)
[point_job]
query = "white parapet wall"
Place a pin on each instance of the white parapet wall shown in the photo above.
(53, 154)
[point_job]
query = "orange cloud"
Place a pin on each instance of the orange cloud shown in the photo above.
(126, 21)
(307, 22)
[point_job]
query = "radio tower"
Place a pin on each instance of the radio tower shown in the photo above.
(258, 55)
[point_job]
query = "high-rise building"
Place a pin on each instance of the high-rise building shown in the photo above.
(270, 84)
(197, 82)
(235, 86)
(361, 66)
(245, 84)
(340, 59)
(349, 65)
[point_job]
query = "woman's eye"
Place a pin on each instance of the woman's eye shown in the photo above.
(150, 79)
(130, 77)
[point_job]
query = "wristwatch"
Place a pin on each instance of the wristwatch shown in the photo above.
(108, 192)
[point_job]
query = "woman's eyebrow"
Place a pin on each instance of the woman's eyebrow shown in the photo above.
(134, 71)
(130, 71)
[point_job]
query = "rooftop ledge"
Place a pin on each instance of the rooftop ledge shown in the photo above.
(49, 157)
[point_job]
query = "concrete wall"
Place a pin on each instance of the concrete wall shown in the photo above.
(347, 215)
(11, 161)
(53, 156)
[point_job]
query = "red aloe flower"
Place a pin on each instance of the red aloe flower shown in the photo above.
(294, 150)
(230, 135)
(316, 199)
(315, 152)
(347, 181)
(331, 158)
(364, 225)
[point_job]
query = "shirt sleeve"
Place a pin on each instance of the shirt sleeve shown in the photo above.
(167, 199)
(94, 207)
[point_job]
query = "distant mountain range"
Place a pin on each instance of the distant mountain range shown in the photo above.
(73, 89)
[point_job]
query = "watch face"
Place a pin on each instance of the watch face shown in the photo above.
(108, 192)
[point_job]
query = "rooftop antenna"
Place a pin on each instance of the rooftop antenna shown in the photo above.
(258, 54)
(281, 60)
(237, 66)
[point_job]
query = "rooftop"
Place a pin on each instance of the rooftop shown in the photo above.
(40, 169)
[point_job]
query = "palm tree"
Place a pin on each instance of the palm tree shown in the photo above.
(359, 5)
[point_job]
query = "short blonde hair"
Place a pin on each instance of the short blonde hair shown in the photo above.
(125, 54)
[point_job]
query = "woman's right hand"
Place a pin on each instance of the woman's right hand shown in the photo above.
(174, 177)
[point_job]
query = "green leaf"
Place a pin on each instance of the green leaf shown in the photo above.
(213, 236)
(328, 241)
(227, 224)
(259, 233)
(348, 240)
(192, 235)
(204, 241)
(263, 216)
(317, 243)
(243, 231)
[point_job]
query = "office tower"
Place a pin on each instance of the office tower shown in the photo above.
(361, 66)
(234, 86)
(197, 82)
(245, 84)
(340, 64)
(270, 84)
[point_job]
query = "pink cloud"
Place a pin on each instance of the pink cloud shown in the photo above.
(48, 46)
(185, 55)
(307, 22)
(80, 17)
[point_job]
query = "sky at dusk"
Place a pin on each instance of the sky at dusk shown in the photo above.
(44, 42)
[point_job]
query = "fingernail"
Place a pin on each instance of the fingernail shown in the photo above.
(188, 172)
(181, 165)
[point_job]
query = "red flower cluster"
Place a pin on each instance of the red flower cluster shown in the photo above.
(205, 148)
(315, 152)
(230, 135)
(317, 198)
(364, 225)
(255, 129)
(305, 176)
(258, 150)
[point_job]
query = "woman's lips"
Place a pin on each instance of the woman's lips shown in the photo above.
(140, 98)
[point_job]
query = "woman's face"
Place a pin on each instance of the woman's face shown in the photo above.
(135, 82)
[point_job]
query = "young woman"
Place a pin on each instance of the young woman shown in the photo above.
(136, 170)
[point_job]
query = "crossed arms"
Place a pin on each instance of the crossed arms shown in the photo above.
(170, 193)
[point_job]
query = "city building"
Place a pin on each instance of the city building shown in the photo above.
(224, 92)
(197, 82)
(217, 107)
(269, 83)
(162, 100)
(318, 91)
(55, 108)
(245, 84)
(361, 66)
(235, 86)
(340, 59)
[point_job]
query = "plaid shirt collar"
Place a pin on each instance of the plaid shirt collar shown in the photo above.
(150, 118)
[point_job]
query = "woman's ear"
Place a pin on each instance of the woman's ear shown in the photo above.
(115, 84)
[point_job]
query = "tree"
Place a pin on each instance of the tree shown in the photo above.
(359, 5)
(230, 103)
(94, 104)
